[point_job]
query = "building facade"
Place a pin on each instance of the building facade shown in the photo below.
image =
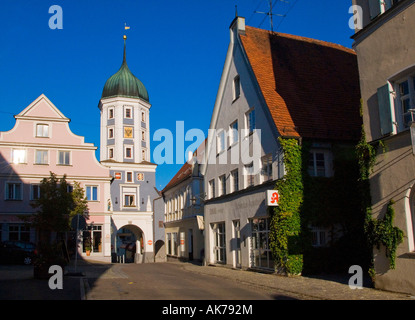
(42, 142)
(386, 55)
(273, 86)
(183, 207)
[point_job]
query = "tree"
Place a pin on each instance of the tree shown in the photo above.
(56, 206)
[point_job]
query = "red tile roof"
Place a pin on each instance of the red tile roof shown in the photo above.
(311, 87)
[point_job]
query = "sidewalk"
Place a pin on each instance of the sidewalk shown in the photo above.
(307, 288)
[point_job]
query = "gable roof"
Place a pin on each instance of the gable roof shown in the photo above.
(42, 107)
(311, 87)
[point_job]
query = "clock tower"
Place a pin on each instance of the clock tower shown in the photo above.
(125, 150)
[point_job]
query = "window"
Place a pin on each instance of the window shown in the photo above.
(110, 133)
(110, 153)
(143, 135)
(406, 101)
(377, 7)
(41, 157)
(266, 170)
(250, 177)
(129, 200)
(129, 177)
(42, 130)
(260, 251)
(143, 116)
(235, 180)
(14, 191)
(92, 238)
(64, 158)
(128, 113)
(111, 113)
(236, 87)
(18, 156)
(144, 155)
(35, 192)
(212, 188)
(250, 120)
(169, 244)
(220, 242)
(317, 164)
(19, 232)
(318, 237)
(128, 152)
(222, 185)
(92, 193)
(233, 133)
(221, 141)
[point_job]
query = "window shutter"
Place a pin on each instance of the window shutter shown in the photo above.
(385, 115)
(374, 7)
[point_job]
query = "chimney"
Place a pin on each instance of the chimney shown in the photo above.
(237, 27)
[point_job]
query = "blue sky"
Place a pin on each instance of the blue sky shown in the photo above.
(176, 48)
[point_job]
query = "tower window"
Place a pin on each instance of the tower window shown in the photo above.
(110, 113)
(143, 116)
(128, 113)
(128, 152)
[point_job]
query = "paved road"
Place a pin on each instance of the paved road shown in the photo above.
(168, 281)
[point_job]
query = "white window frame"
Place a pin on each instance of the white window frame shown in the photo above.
(400, 114)
(212, 189)
(14, 196)
(111, 132)
(328, 172)
(19, 158)
(42, 162)
(111, 153)
(132, 177)
(266, 168)
(41, 133)
(125, 112)
(109, 113)
(92, 193)
(131, 152)
(250, 119)
(317, 234)
(234, 180)
(222, 185)
(249, 177)
(233, 133)
(34, 188)
(69, 157)
(221, 141)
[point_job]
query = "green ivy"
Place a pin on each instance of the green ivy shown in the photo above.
(285, 229)
(378, 232)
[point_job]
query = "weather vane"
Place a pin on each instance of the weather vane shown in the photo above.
(125, 28)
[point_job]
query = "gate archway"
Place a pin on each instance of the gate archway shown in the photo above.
(129, 243)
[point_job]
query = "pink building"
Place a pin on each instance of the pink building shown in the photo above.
(42, 142)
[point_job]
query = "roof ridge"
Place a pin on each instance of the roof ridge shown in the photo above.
(306, 39)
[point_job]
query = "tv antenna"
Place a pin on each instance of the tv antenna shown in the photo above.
(271, 14)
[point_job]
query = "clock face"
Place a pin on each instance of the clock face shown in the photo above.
(128, 132)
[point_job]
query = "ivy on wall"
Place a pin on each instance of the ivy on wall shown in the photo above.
(285, 228)
(378, 231)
